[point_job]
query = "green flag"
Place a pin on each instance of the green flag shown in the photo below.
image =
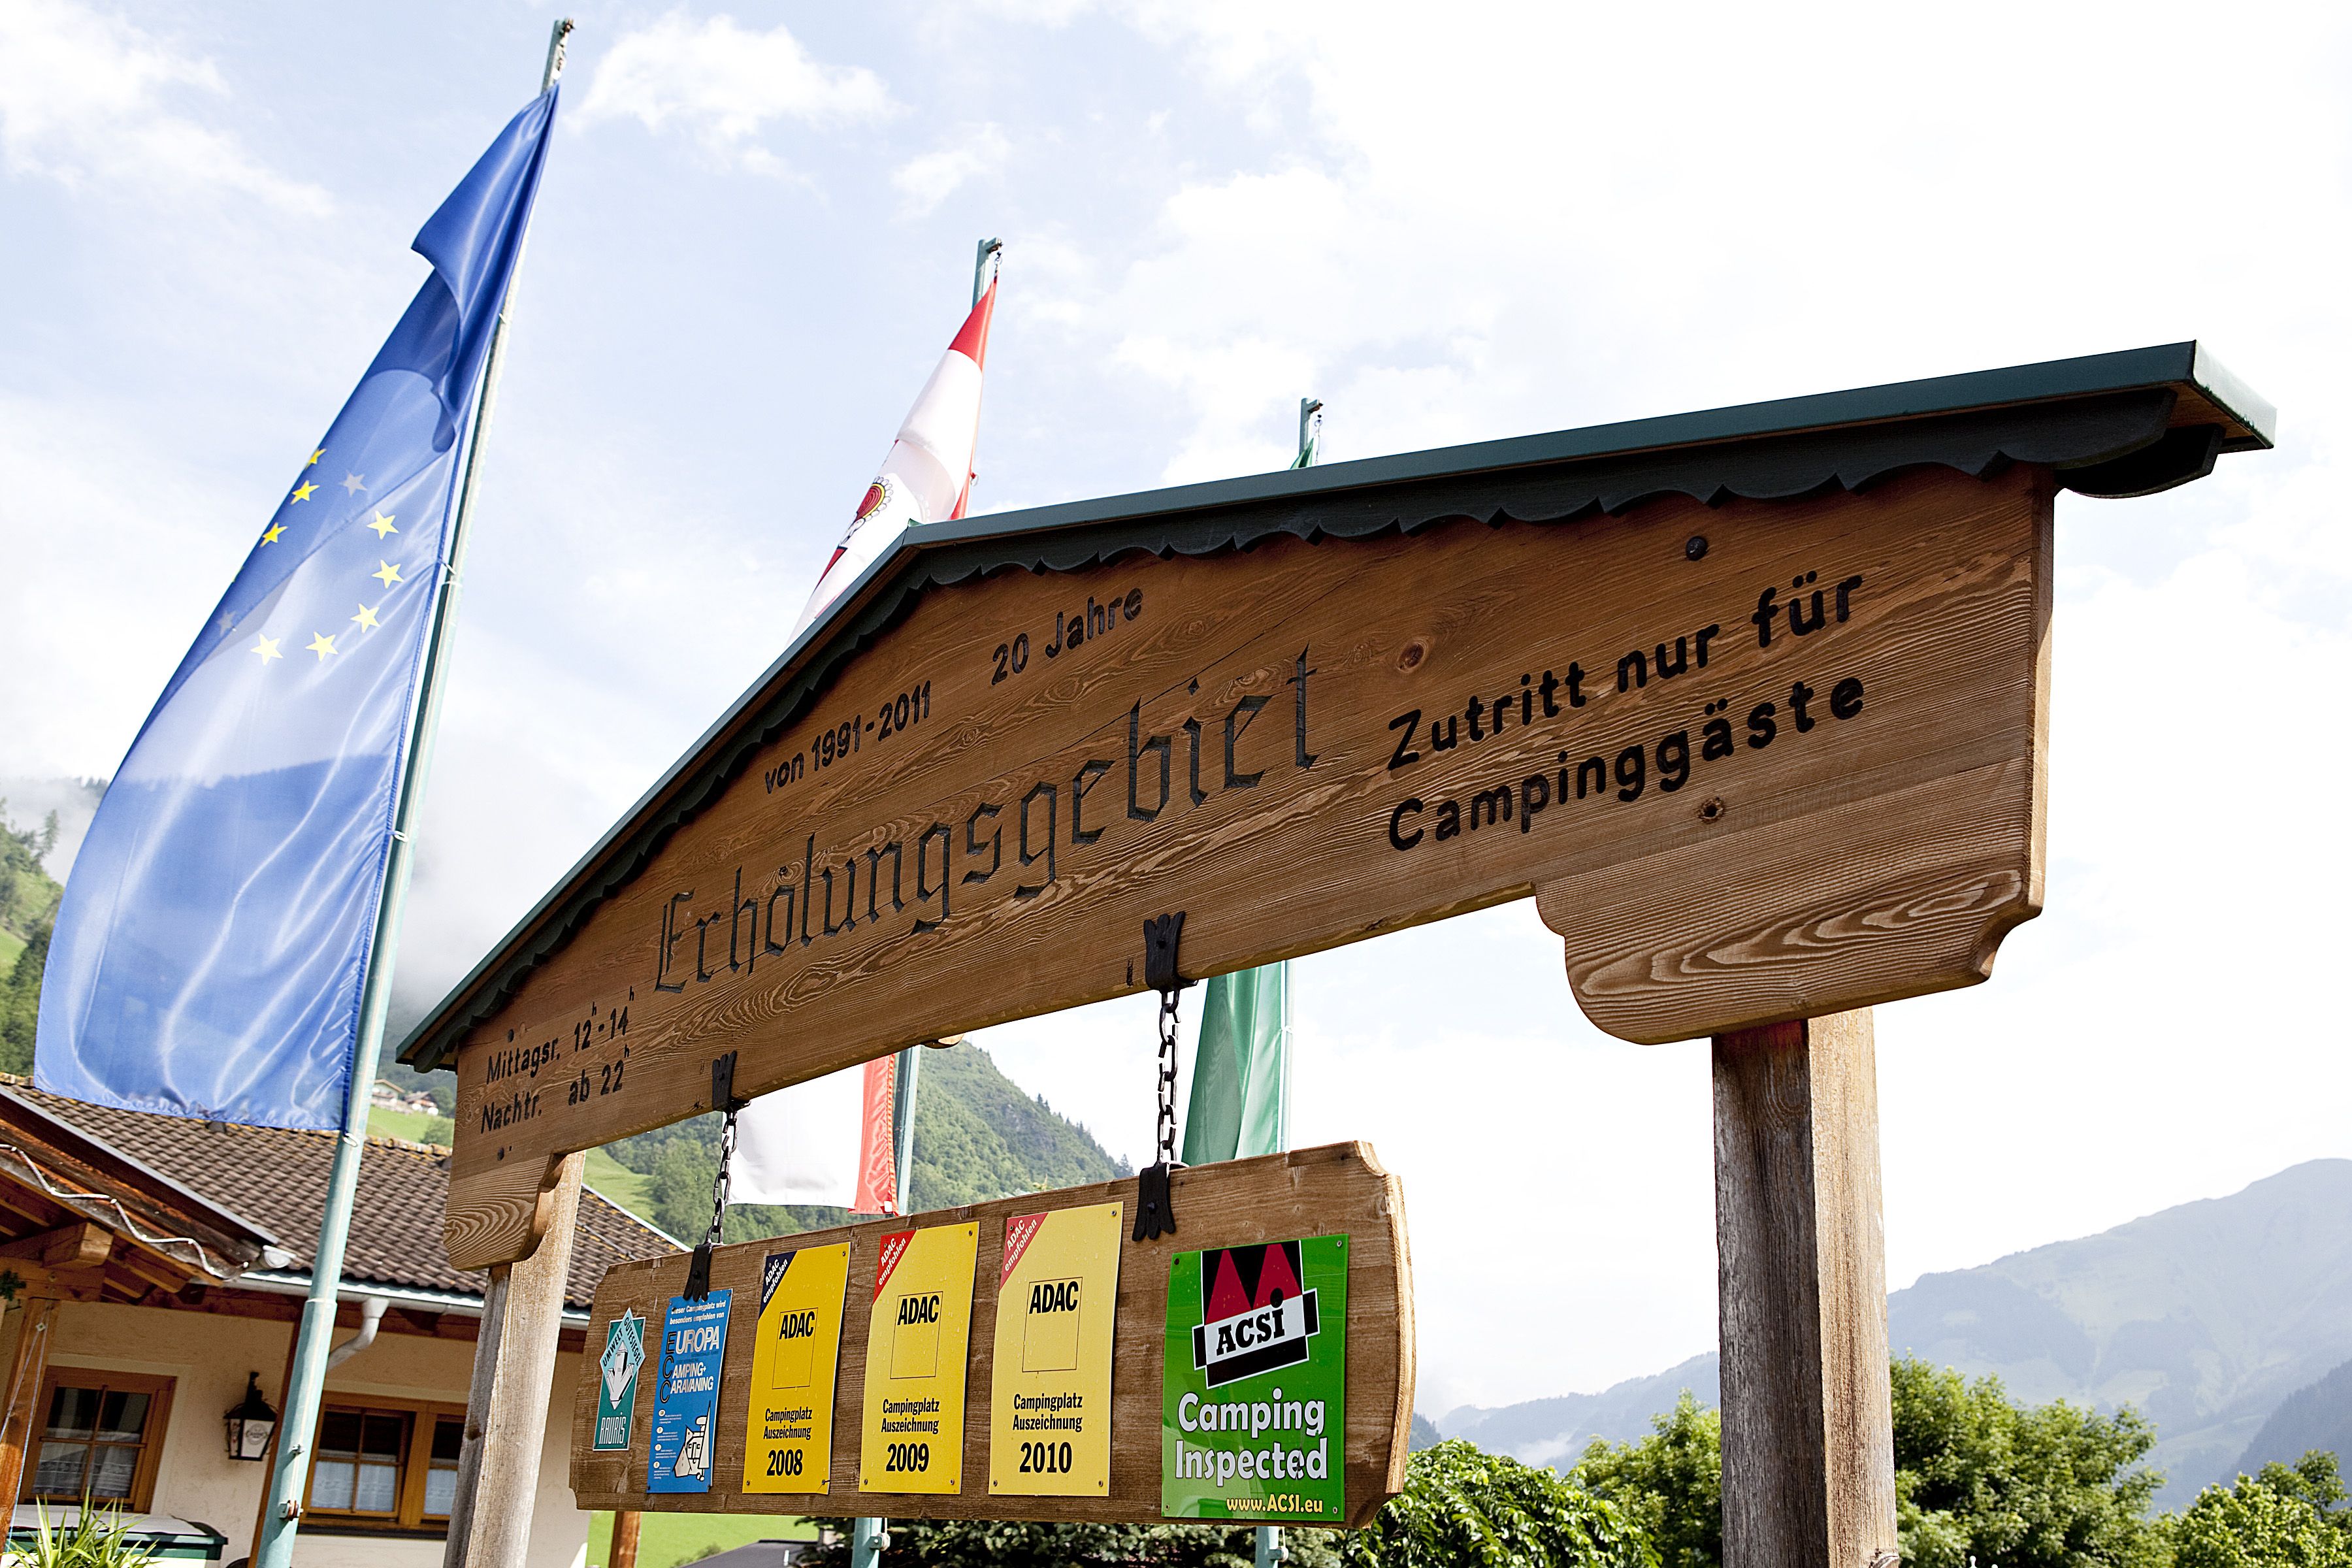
(1241, 1074)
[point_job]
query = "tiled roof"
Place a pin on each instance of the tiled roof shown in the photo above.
(277, 1180)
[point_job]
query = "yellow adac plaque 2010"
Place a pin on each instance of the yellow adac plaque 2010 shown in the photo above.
(788, 1431)
(1056, 1307)
(918, 1348)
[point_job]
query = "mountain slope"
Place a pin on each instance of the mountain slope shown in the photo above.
(2316, 1415)
(978, 1137)
(2206, 1317)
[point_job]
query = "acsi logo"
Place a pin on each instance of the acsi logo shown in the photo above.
(1253, 1315)
(1054, 1296)
(918, 1308)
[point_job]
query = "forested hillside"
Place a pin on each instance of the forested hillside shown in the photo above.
(976, 1137)
(28, 903)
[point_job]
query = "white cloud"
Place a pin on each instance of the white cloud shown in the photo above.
(928, 180)
(1538, 217)
(725, 82)
(84, 98)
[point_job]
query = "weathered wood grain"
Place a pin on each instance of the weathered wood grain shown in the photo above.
(1857, 859)
(505, 1403)
(1808, 1428)
(1337, 1189)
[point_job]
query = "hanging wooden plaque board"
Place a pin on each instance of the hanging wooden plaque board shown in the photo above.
(1336, 1190)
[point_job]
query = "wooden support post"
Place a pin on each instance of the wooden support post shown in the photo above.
(23, 1413)
(506, 1407)
(626, 1525)
(1807, 1427)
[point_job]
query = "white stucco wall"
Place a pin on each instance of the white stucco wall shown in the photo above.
(208, 1356)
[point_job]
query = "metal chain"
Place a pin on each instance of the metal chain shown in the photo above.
(719, 1183)
(1168, 1078)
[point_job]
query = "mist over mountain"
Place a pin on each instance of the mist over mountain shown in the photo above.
(2212, 1319)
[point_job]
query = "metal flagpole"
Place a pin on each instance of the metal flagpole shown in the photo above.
(1270, 1550)
(868, 1539)
(300, 1420)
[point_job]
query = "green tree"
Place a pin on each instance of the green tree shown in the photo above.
(682, 1173)
(2285, 1517)
(1670, 1483)
(20, 1002)
(1460, 1506)
(2052, 1486)
(29, 907)
(1463, 1505)
(1025, 1544)
(1975, 1476)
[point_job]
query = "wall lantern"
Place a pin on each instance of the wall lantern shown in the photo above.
(250, 1423)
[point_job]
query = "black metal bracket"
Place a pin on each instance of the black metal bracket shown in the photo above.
(1160, 935)
(723, 1084)
(722, 1099)
(1155, 1208)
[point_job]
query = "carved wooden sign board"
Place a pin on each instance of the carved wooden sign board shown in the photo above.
(854, 1396)
(1752, 701)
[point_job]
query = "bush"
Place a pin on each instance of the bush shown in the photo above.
(1459, 1505)
(2285, 1517)
(1463, 1505)
(1979, 1476)
(1670, 1483)
(1021, 1543)
(97, 1538)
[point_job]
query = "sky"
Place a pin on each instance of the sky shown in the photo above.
(755, 237)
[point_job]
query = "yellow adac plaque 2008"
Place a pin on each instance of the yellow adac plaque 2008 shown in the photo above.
(1056, 1306)
(917, 1347)
(788, 1431)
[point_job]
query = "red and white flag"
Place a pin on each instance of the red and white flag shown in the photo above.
(833, 1141)
(926, 477)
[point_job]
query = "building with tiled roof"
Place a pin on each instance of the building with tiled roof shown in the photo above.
(155, 1266)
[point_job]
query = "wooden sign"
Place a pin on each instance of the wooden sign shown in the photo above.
(1756, 759)
(1339, 1190)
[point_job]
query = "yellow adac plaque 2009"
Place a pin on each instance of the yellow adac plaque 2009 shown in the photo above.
(788, 1430)
(1056, 1305)
(917, 1347)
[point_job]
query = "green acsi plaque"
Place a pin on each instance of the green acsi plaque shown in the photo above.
(1252, 1418)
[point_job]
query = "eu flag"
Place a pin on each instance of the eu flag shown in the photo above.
(210, 953)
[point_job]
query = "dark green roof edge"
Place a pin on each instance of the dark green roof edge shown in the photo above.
(2125, 370)
(2066, 380)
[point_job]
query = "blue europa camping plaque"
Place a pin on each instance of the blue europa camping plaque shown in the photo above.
(686, 1396)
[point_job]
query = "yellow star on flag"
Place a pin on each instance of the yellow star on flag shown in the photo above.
(382, 525)
(320, 644)
(366, 618)
(301, 493)
(316, 456)
(268, 648)
(269, 535)
(386, 573)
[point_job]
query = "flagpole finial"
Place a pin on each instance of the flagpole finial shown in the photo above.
(555, 41)
(979, 273)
